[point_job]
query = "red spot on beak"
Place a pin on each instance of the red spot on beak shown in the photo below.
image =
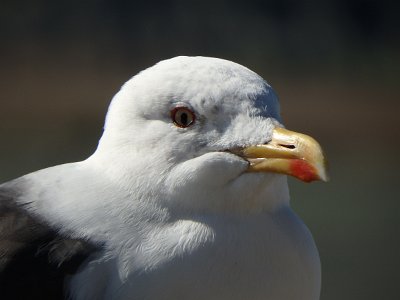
(303, 170)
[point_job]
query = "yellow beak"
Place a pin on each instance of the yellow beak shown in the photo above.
(290, 153)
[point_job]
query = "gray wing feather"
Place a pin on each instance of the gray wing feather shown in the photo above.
(35, 259)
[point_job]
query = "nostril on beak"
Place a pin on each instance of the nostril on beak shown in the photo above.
(287, 146)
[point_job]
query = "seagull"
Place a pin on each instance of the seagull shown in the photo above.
(185, 197)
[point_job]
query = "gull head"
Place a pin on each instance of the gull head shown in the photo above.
(202, 134)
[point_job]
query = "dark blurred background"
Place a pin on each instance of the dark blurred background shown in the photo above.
(335, 65)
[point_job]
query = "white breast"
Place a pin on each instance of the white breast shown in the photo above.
(270, 256)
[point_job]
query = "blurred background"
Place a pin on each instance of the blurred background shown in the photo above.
(334, 64)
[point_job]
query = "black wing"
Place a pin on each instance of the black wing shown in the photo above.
(35, 259)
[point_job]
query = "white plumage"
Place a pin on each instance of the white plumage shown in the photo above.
(176, 215)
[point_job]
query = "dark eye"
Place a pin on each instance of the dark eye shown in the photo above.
(182, 116)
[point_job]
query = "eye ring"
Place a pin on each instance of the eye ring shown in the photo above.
(182, 116)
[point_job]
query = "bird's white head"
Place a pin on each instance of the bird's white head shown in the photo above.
(203, 134)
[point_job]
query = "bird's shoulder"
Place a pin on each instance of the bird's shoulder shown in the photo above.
(35, 257)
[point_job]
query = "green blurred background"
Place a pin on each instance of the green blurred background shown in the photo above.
(334, 64)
